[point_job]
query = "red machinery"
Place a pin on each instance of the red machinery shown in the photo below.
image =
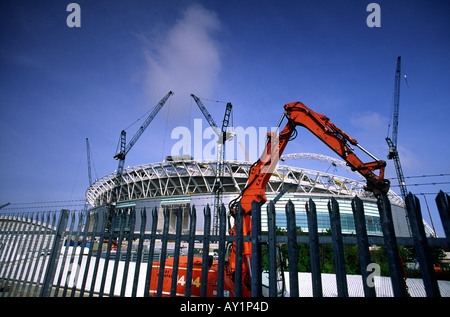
(297, 114)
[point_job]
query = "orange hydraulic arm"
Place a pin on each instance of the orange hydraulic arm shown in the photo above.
(340, 142)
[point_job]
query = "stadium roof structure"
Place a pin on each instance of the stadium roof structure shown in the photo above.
(190, 177)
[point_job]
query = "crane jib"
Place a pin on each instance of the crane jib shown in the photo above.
(125, 148)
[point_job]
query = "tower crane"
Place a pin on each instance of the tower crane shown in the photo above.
(88, 151)
(125, 148)
(392, 142)
(223, 136)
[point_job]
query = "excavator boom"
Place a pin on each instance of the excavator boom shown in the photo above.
(321, 126)
(340, 142)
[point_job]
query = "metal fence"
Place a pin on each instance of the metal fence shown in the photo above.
(72, 253)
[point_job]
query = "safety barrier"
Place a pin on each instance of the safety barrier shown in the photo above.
(83, 253)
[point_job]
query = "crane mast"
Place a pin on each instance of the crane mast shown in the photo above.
(396, 102)
(220, 167)
(222, 134)
(88, 151)
(392, 143)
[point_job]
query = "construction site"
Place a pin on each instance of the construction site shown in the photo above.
(181, 181)
(233, 150)
(187, 227)
(185, 183)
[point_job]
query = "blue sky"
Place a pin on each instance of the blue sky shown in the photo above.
(60, 85)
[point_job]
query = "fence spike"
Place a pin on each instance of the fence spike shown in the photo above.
(239, 251)
(221, 258)
(272, 252)
(256, 287)
(338, 248)
(314, 248)
(390, 242)
(139, 251)
(422, 249)
(190, 257)
(205, 257)
(292, 248)
(162, 258)
(363, 245)
(442, 201)
(54, 254)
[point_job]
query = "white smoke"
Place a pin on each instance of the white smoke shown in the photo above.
(185, 59)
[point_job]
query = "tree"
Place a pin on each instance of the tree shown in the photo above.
(326, 254)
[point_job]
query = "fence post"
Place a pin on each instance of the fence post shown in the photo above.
(205, 256)
(338, 248)
(121, 217)
(221, 259)
(256, 275)
(422, 249)
(394, 261)
(314, 248)
(54, 254)
(176, 255)
(363, 244)
(108, 252)
(80, 258)
(292, 249)
(162, 258)
(139, 251)
(129, 236)
(151, 252)
(99, 249)
(442, 202)
(190, 257)
(272, 251)
(68, 234)
(239, 249)
(70, 273)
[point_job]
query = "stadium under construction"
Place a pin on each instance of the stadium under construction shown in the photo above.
(182, 182)
(186, 183)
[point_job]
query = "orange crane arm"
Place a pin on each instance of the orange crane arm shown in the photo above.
(338, 141)
(321, 126)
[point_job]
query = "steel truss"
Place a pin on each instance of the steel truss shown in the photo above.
(197, 177)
